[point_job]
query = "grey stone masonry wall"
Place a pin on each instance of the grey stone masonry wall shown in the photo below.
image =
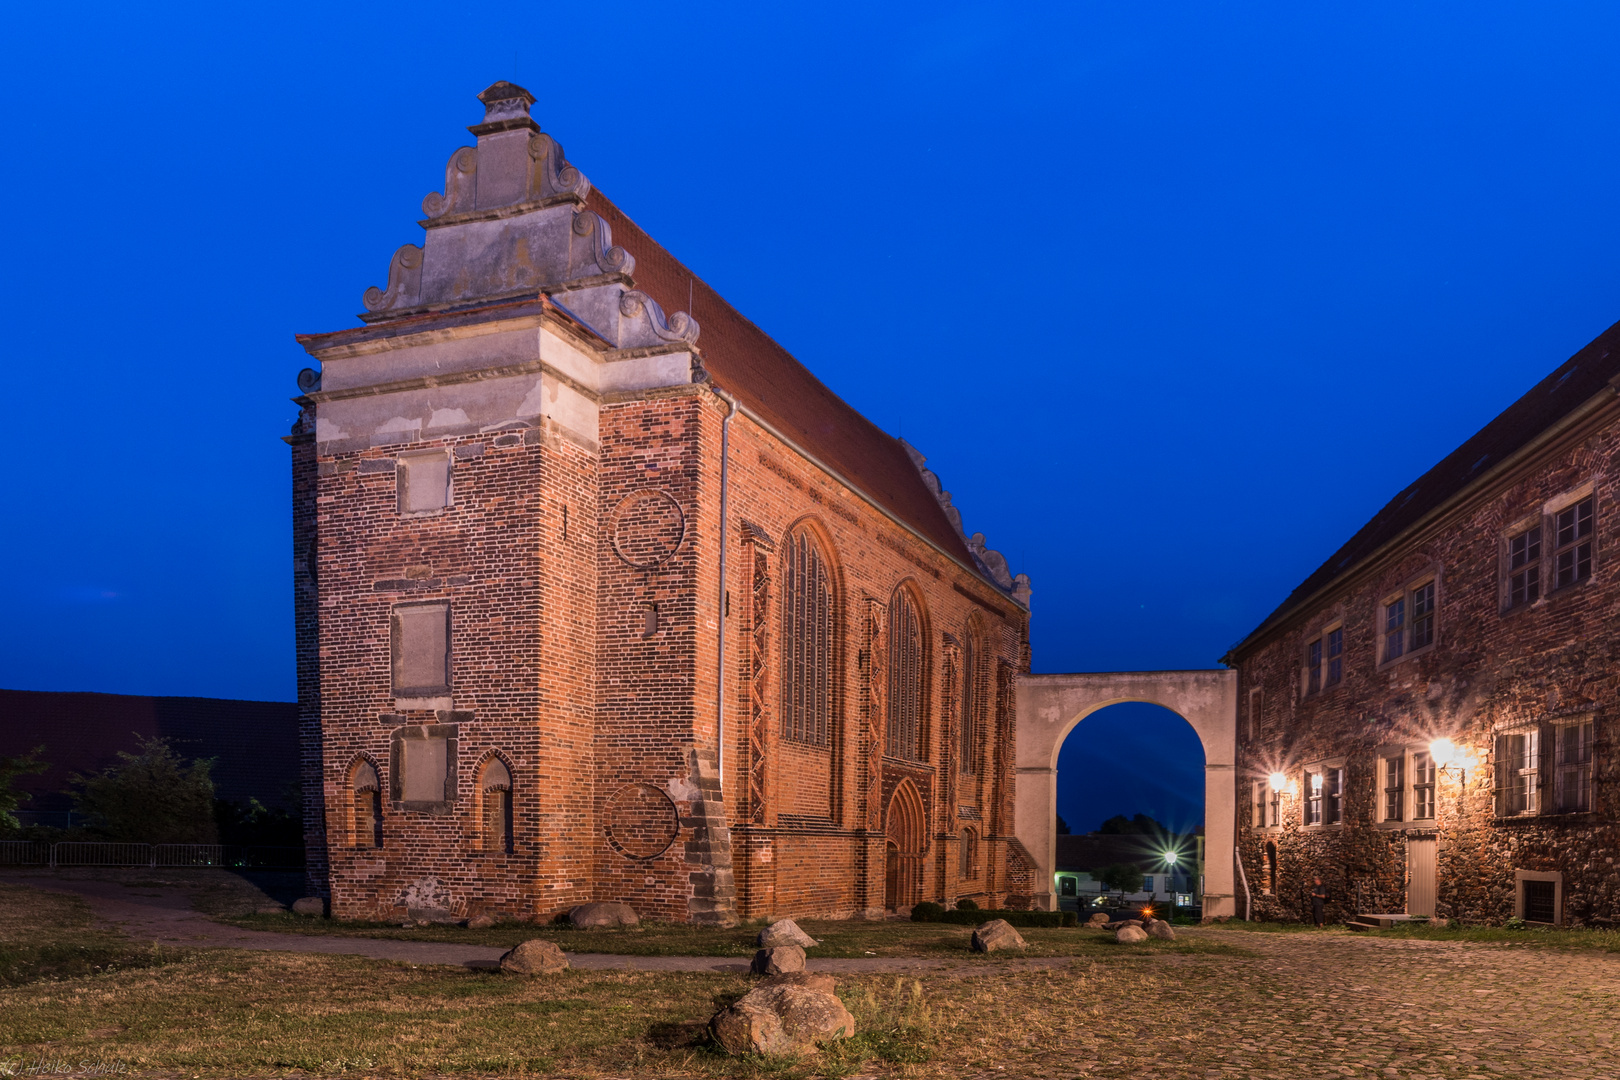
(1495, 671)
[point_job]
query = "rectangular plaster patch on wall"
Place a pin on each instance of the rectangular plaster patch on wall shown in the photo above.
(421, 650)
(424, 768)
(424, 482)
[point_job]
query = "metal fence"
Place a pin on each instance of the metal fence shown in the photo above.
(95, 853)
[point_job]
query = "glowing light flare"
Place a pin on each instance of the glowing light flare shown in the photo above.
(1277, 780)
(1443, 751)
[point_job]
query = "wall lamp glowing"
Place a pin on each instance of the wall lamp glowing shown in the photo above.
(1278, 781)
(1448, 757)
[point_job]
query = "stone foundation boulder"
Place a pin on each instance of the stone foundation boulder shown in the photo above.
(996, 935)
(788, 1014)
(309, 905)
(480, 922)
(608, 913)
(534, 957)
(1130, 934)
(778, 960)
(1158, 928)
(784, 932)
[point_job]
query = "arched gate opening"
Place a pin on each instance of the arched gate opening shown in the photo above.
(1049, 707)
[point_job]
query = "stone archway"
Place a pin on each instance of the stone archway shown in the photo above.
(1049, 706)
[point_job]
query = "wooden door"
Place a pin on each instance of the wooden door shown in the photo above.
(1420, 876)
(891, 876)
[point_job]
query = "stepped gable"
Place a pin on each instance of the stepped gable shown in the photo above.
(1571, 385)
(743, 360)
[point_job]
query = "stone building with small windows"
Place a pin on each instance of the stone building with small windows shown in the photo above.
(1428, 722)
(601, 595)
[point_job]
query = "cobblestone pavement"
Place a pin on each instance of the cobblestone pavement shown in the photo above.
(1338, 1004)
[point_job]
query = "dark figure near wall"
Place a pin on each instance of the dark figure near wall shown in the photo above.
(1318, 902)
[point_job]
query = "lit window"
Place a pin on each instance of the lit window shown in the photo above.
(1573, 558)
(1422, 786)
(1313, 798)
(1518, 760)
(1395, 788)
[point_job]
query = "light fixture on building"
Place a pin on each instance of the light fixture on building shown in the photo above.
(1448, 757)
(1278, 781)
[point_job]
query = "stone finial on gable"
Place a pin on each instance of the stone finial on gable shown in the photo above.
(512, 221)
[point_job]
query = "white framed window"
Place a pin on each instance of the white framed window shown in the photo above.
(1392, 797)
(1572, 777)
(1518, 773)
(1422, 786)
(1572, 532)
(1524, 567)
(1324, 660)
(1408, 620)
(1267, 805)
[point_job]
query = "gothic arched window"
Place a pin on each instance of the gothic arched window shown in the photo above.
(970, 853)
(968, 730)
(807, 643)
(905, 679)
(365, 806)
(496, 787)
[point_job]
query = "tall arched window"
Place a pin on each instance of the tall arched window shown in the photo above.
(365, 806)
(807, 643)
(968, 730)
(496, 783)
(905, 679)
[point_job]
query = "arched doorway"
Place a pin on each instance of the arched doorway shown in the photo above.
(906, 845)
(1049, 706)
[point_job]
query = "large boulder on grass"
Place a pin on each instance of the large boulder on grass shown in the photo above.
(778, 960)
(536, 957)
(1158, 928)
(996, 935)
(788, 1014)
(309, 905)
(603, 913)
(1130, 934)
(784, 932)
(1098, 918)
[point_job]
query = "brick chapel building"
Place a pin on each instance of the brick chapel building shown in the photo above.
(594, 606)
(1428, 722)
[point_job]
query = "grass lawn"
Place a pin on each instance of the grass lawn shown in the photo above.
(217, 1012)
(837, 939)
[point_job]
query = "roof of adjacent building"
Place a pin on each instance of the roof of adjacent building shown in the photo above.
(746, 362)
(255, 742)
(1575, 382)
(1085, 852)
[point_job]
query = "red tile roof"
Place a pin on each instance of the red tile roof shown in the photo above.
(1571, 385)
(744, 361)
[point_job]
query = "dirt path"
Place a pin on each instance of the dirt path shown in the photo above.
(165, 914)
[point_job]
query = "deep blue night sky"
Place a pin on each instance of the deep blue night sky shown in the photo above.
(1173, 296)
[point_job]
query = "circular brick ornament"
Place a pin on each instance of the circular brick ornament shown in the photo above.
(648, 528)
(641, 821)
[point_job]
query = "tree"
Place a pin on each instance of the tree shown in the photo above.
(11, 768)
(1140, 825)
(1062, 826)
(1125, 877)
(151, 796)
